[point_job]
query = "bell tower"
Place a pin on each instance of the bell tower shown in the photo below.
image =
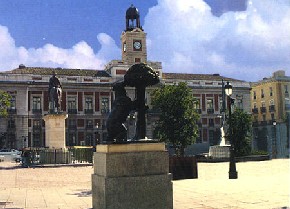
(133, 39)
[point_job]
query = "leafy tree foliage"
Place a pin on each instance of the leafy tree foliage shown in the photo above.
(177, 124)
(240, 123)
(4, 103)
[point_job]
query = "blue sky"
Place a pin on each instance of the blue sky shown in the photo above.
(242, 39)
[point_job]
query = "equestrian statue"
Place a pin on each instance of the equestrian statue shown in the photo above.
(54, 92)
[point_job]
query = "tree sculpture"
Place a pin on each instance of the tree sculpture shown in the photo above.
(140, 76)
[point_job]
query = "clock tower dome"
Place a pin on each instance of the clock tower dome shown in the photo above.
(133, 39)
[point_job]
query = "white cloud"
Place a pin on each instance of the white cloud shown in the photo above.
(185, 37)
(246, 45)
(81, 55)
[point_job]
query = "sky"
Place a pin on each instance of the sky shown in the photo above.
(241, 39)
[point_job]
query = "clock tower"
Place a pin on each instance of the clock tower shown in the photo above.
(133, 39)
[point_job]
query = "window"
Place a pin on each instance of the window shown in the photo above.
(271, 91)
(196, 105)
(255, 95)
(72, 104)
(72, 124)
(12, 108)
(11, 123)
(286, 88)
(137, 60)
(13, 103)
(209, 105)
(89, 124)
(105, 105)
(88, 105)
(262, 93)
(36, 104)
(210, 122)
(211, 137)
(273, 116)
(263, 104)
(36, 123)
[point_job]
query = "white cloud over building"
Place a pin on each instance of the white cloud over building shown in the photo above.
(185, 37)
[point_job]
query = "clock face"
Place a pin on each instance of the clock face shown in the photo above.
(137, 45)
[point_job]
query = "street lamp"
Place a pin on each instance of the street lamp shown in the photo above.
(233, 174)
(274, 141)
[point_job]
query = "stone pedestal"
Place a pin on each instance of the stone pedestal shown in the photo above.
(132, 176)
(55, 130)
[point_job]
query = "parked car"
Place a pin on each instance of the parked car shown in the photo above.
(14, 154)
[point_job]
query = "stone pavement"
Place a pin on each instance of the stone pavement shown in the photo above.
(260, 185)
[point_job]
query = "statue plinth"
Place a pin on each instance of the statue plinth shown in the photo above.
(55, 130)
(130, 176)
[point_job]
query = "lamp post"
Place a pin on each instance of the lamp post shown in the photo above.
(233, 174)
(274, 141)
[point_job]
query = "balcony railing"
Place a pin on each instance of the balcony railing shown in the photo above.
(211, 124)
(263, 109)
(11, 111)
(36, 111)
(105, 111)
(89, 111)
(272, 108)
(89, 126)
(255, 123)
(72, 111)
(11, 126)
(37, 129)
(198, 111)
(72, 126)
(210, 111)
(255, 110)
(263, 123)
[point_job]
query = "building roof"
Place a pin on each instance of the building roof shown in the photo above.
(185, 76)
(60, 71)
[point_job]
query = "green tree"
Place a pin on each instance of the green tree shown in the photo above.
(177, 124)
(4, 103)
(240, 124)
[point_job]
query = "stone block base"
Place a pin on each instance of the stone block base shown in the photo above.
(132, 177)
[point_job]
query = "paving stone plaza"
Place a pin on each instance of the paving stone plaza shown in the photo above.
(260, 185)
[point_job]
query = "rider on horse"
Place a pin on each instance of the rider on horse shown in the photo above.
(54, 86)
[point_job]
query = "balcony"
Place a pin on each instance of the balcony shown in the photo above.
(210, 111)
(72, 111)
(263, 123)
(263, 109)
(198, 111)
(11, 126)
(105, 111)
(37, 129)
(90, 126)
(211, 124)
(255, 110)
(272, 108)
(11, 111)
(89, 111)
(36, 111)
(72, 127)
(255, 123)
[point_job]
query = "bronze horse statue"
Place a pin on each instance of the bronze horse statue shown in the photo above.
(55, 99)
